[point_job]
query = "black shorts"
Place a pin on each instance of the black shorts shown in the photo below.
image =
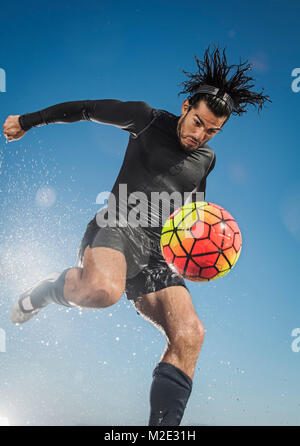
(147, 270)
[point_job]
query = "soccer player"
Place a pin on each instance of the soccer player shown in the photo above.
(165, 153)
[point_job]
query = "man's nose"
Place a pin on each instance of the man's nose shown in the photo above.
(200, 134)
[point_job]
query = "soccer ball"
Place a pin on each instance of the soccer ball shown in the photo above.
(201, 241)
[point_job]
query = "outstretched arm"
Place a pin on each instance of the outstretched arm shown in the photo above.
(132, 116)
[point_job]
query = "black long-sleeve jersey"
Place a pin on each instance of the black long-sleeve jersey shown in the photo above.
(154, 161)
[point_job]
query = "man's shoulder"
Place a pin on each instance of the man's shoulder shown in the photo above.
(165, 121)
(206, 156)
(161, 114)
(156, 118)
(141, 115)
(139, 108)
(211, 158)
(209, 151)
(145, 107)
(165, 114)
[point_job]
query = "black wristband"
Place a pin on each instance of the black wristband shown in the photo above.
(22, 124)
(30, 120)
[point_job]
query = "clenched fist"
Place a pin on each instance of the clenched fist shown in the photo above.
(12, 129)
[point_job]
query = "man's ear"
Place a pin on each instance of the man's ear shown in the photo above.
(185, 107)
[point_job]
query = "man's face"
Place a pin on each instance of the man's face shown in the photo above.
(197, 126)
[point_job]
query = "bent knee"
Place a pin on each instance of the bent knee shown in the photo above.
(189, 336)
(102, 294)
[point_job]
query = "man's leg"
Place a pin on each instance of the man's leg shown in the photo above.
(172, 311)
(101, 280)
(99, 283)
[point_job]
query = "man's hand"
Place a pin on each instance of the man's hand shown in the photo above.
(12, 129)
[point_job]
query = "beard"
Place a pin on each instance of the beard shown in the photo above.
(181, 137)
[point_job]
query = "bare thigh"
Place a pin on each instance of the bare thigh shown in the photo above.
(104, 264)
(101, 279)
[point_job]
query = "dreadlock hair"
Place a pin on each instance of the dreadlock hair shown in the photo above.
(214, 71)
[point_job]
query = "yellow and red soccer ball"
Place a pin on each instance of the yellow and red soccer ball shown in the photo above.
(201, 241)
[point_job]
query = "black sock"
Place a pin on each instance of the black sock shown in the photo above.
(50, 292)
(169, 394)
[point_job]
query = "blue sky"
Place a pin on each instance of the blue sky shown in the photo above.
(94, 367)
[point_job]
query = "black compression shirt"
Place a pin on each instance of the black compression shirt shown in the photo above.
(154, 160)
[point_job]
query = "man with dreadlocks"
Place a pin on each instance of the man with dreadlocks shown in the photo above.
(165, 153)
